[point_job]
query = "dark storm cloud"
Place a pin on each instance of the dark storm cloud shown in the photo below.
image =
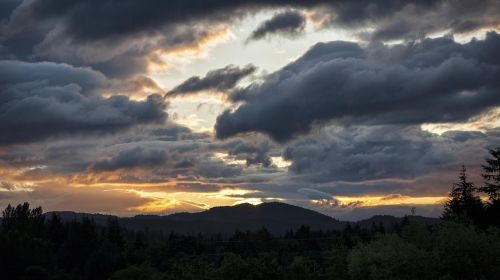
(314, 194)
(17, 72)
(253, 152)
(114, 18)
(168, 160)
(176, 133)
(413, 19)
(131, 158)
(438, 16)
(377, 161)
(289, 23)
(216, 169)
(220, 80)
(437, 80)
(118, 17)
(365, 153)
(391, 87)
(148, 153)
(6, 8)
(384, 152)
(121, 36)
(166, 144)
(39, 100)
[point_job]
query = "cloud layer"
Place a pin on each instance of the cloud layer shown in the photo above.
(289, 23)
(219, 80)
(39, 100)
(345, 127)
(124, 36)
(437, 80)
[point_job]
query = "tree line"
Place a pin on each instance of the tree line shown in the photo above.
(465, 204)
(465, 244)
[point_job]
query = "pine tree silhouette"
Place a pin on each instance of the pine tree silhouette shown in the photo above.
(491, 175)
(463, 203)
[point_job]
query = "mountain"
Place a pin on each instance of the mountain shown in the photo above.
(70, 215)
(276, 217)
(389, 222)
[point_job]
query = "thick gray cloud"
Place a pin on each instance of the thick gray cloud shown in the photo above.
(113, 18)
(18, 72)
(436, 80)
(6, 8)
(165, 154)
(216, 169)
(314, 194)
(254, 151)
(419, 20)
(176, 133)
(220, 80)
(394, 19)
(121, 35)
(39, 100)
(154, 153)
(131, 158)
(288, 23)
(383, 92)
(384, 152)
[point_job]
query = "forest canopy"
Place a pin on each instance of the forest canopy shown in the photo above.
(465, 244)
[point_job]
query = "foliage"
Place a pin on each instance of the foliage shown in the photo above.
(464, 204)
(467, 253)
(82, 249)
(22, 219)
(491, 175)
(464, 245)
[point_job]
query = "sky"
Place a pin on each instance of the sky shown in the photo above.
(349, 108)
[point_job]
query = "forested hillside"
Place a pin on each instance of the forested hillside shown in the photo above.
(465, 244)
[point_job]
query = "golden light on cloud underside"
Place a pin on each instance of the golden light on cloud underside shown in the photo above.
(188, 195)
(483, 122)
(228, 159)
(165, 202)
(280, 162)
(156, 206)
(174, 196)
(479, 33)
(168, 202)
(162, 60)
(388, 200)
(198, 112)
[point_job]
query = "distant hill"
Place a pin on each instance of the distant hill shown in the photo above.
(276, 217)
(388, 221)
(70, 215)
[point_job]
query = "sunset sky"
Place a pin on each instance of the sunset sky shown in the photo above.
(350, 108)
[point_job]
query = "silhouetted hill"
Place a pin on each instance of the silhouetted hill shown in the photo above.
(69, 215)
(388, 221)
(276, 217)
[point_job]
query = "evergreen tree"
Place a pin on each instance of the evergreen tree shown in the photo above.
(463, 203)
(491, 175)
(23, 219)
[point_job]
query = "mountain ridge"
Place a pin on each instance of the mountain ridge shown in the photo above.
(276, 217)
